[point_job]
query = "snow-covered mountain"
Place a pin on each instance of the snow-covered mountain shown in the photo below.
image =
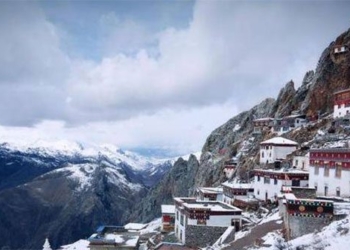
(65, 189)
(21, 161)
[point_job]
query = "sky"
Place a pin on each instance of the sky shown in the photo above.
(151, 76)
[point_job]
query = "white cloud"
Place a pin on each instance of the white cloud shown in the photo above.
(178, 131)
(227, 47)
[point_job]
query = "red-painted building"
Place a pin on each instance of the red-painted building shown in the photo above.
(330, 171)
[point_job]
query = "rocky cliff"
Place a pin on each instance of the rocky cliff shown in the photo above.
(178, 182)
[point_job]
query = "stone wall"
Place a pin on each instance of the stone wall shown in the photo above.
(201, 236)
(304, 193)
(299, 226)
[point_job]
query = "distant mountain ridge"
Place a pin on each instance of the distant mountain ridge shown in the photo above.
(65, 190)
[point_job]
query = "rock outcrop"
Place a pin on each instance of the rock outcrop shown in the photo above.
(178, 182)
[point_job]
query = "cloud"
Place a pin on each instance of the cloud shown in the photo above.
(32, 66)
(227, 49)
(168, 131)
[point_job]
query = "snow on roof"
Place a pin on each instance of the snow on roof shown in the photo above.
(168, 209)
(282, 170)
(279, 141)
(207, 205)
(263, 119)
(210, 190)
(78, 245)
(121, 239)
(135, 226)
(341, 208)
(238, 185)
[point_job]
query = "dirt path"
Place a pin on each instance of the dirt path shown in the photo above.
(256, 233)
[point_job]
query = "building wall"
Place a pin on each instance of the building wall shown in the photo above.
(299, 122)
(229, 172)
(299, 226)
(269, 154)
(271, 189)
(218, 220)
(331, 182)
(215, 221)
(180, 230)
(301, 162)
(340, 111)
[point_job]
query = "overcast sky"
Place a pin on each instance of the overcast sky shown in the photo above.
(157, 75)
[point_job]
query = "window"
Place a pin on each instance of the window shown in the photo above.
(316, 170)
(182, 220)
(275, 181)
(315, 186)
(262, 154)
(258, 178)
(326, 171)
(177, 215)
(201, 222)
(267, 180)
(338, 191)
(338, 171)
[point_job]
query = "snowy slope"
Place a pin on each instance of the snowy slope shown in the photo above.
(73, 149)
(335, 236)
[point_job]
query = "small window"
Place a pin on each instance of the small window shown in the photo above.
(317, 170)
(275, 181)
(326, 171)
(262, 154)
(338, 191)
(258, 177)
(267, 180)
(338, 171)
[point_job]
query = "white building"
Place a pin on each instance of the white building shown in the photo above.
(168, 218)
(341, 103)
(261, 124)
(206, 217)
(338, 49)
(330, 171)
(230, 167)
(298, 122)
(301, 162)
(268, 183)
(234, 190)
(276, 149)
(209, 194)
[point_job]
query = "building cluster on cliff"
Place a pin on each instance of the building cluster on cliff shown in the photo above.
(310, 187)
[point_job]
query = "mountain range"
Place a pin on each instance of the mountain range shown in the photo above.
(63, 190)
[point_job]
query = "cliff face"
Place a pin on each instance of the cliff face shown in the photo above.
(332, 74)
(285, 102)
(314, 96)
(225, 141)
(178, 182)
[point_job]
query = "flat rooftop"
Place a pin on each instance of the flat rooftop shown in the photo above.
(168, 209)
(282, 171)
(238, 185)
(210, 190)
(215, 206)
